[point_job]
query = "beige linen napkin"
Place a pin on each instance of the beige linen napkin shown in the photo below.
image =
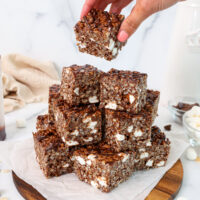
(26, 80)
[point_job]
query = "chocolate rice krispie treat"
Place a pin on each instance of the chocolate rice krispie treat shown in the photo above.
(97, 32)
(43, 122)
(78, 125)
(52, 154)
(98, 166)
(54, 93)
(80, 84)
(154, 153)
(152, 102)
(123, 130)
(123, 90)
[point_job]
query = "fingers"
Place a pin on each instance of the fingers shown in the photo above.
(117, 6)
(132, 22)
(102, 5)
(88, 5)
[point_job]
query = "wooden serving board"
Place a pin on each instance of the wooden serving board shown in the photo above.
(166, 189)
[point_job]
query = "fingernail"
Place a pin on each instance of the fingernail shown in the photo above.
(122, 36)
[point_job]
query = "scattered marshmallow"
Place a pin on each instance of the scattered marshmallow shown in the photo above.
(5, 171)
(181, 198)
(21, 123)
(191, 154)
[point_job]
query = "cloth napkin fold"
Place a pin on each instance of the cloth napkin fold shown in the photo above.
(26, 80)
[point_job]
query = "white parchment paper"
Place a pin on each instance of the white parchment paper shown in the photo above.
(21, 158)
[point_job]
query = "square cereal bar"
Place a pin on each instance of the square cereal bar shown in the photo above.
(123, 90)
(52, 155)
(80, 84)
(123, 130)
(154, 153)
(78, 125)
(54, 93)
(97, 32)
(43, 122)
(100, 167)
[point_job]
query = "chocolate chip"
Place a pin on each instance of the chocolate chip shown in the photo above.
(168, 127)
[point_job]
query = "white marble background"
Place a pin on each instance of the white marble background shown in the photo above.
(43, 29)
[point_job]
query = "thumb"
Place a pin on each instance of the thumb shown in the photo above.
(131, 23)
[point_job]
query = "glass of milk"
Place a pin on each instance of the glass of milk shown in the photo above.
(2, 122)
(183, 63)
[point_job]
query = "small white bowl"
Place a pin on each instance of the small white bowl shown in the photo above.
(193, 133)
(177, 114)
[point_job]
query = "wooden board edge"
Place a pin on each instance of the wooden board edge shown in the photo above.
(160, 191)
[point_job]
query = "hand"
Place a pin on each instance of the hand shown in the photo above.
(141, 10)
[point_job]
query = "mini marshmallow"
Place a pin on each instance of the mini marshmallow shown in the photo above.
(114, 51)
(88, 139)
(76, 91)
(130, 129)
(149, 163)
(21, 123)
(144, 155)
(91, 157)
(94, 184)
(191, 154)
(161, 163)
(120, 137)
(138, 133)
(181, 198)
(131, 98)
(111, 44)
(93, 99)
(92, 124)
(75, 132)
(80, 160)
(102, 181)
(89, 162)
(66, 165)
(87, 119)
(111, 105)
(71, 143)
(126, 157)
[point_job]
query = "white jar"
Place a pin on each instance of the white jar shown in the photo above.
(183, 63)
(2, 122)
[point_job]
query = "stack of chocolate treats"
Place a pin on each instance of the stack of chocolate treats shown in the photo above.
(99, 126)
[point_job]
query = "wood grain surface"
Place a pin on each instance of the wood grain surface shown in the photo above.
(166, 189)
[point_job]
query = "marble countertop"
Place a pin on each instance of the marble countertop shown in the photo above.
(44, 31)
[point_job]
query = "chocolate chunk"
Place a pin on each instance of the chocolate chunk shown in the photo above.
(185, 106)
(168, 127)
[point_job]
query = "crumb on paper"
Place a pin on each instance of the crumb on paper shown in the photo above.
(5, 171)
(21, 123)
(168, 127)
